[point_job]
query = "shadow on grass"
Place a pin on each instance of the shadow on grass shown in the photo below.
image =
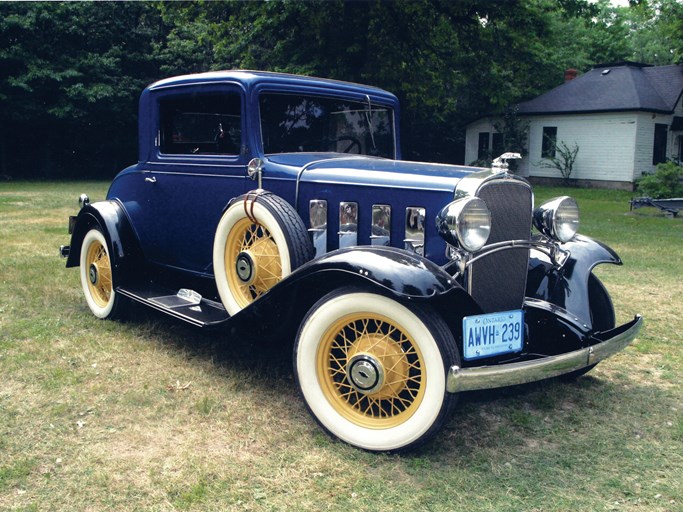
(234, 347)
(512, 418)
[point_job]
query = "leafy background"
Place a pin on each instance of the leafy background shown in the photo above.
(71, 73)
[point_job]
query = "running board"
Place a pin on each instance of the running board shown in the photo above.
(186, 305)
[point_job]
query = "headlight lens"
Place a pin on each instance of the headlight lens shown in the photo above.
(466, 223)
(558, 218)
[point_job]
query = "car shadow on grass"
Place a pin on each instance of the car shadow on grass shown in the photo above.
(512, 418)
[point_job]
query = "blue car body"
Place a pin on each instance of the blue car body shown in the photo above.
(366, 224)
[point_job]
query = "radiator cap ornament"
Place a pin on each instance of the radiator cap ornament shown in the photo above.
(500, 164)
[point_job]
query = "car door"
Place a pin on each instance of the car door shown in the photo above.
(198, 165)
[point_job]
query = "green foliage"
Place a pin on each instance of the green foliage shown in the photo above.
(665, 182)
(515, 131)
(515, 134)
(72, 71)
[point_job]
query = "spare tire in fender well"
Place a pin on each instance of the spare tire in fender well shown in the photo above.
(393, 272)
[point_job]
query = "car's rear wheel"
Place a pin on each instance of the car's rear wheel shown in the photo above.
(372, 371)
(97, 278)
(259, 240)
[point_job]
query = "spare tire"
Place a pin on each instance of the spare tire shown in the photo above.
(260, 239)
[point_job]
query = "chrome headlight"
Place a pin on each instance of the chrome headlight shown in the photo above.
(558, 218)
(466, 223)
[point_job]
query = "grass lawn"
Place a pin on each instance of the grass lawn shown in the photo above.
(154, 415)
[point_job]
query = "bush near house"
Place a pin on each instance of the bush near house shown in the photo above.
(665, 182)
(563, 161)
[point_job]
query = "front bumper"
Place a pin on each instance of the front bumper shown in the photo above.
(607, 344)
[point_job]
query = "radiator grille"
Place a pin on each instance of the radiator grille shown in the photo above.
(498, 281)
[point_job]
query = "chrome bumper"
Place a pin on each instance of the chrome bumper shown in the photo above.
(487, 377)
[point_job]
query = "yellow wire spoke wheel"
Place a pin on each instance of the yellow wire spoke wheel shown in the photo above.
(253, 261)
(373, 371)
(99, 273)
(96, 276)
(259, 241)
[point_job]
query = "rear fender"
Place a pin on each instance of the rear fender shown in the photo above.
(111, 218)
(568, 286)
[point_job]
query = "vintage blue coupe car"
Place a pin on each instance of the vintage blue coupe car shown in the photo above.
(281, 201)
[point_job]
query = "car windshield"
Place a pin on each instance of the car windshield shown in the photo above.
(297, 123)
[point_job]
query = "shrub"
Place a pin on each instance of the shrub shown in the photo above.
(563, 161)
(664, 183)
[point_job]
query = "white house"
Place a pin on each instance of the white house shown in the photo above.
(625, 119)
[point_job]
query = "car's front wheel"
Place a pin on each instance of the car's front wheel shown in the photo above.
(372, 371)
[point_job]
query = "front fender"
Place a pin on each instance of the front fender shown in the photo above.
(568, 286)
(112, 220)
(400, 272)
(387, 270)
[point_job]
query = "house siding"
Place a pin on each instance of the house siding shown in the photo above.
(676, 138)
(613, 147)
(645, 137)
(605, 141)
(472, 137)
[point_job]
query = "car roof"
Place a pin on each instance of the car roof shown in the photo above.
(250, 79)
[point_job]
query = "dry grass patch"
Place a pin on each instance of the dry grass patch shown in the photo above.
(154, 415)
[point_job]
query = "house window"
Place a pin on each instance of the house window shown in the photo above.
(549, 142)
(659, 150)
(490, 145)
(483, 147)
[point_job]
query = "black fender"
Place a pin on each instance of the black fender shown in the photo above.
(568, 286)
(398, 273)
(111, 218)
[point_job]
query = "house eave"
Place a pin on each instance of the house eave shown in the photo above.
(602, 111)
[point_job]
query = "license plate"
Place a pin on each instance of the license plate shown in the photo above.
(492, 334)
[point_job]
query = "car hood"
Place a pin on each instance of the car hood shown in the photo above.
(368, 171)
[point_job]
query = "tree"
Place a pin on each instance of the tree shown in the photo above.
(72, 73)
(448, 62)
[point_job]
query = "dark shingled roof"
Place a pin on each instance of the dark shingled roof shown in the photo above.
(613, 88)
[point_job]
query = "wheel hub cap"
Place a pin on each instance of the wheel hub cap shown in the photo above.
(365, 373)
(93, 274)
(245, 267)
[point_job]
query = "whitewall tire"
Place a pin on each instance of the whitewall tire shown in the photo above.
(372, 371)
(259, 241)
(96, 276)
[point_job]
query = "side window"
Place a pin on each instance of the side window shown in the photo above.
(201, 124)
(659, 149)
(549, 142)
